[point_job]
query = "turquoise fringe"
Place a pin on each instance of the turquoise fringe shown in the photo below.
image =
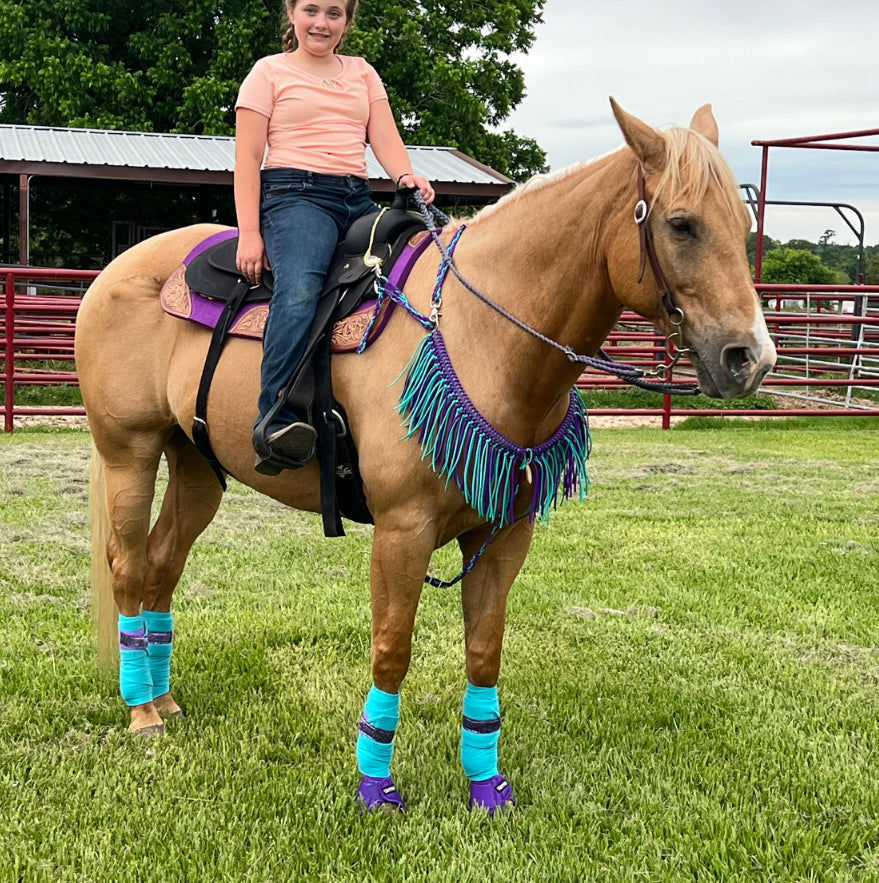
(486, 466)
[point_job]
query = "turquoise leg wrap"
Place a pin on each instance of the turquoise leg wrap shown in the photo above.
(160, 645)
(480, 732)
(375, 742)
(135, 679)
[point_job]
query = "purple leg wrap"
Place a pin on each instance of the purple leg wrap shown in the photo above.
(379, 793)
(492, 794)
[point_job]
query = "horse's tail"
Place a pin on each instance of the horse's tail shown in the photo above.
(103, 604)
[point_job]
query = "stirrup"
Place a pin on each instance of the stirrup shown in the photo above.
(271, 458)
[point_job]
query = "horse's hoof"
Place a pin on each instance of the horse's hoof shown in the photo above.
(167, 707)
(379, 795)
(149, 732)
(492, 794)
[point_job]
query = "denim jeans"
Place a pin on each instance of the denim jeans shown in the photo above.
(303, 215)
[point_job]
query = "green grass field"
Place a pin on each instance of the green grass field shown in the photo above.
(690, 684)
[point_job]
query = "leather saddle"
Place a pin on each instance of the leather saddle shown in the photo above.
(214, 274)
(373, 246)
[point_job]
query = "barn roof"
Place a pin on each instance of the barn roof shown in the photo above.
(202, 159)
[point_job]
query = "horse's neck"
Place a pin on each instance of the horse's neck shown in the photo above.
(542, 256)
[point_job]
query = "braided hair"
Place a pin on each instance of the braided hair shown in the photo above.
(290, 42)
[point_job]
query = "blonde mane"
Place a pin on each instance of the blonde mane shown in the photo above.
(534, 184)
(692, 164)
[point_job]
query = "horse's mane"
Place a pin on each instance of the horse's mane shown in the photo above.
(533, 184)
(692, 164)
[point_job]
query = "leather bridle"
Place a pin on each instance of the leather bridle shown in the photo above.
(674, 342)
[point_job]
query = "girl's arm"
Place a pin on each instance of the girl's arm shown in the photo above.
(390, 151)
(251, 131)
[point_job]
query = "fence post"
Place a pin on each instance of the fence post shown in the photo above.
(9, 354)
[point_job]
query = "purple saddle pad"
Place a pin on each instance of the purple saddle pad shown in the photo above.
(179, 300)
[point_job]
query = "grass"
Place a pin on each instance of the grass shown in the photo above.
(690, 683)
(66, 395)
(635, 397)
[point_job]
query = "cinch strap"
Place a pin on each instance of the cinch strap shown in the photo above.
(480, 732)
(375, 741)
(135, 678)
(160, 641)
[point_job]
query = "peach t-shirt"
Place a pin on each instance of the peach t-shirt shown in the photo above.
(314, 124)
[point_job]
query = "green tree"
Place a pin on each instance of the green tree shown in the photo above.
(795, 266)
(176, 65)
(871, 274)
(447, 67)
(768, 245)
(155, 65)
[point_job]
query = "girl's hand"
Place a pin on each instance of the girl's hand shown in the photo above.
(251, 257)
(419, 183)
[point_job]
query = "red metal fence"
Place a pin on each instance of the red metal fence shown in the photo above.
(827, 339)
(38, 324)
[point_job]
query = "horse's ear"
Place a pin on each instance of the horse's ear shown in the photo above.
(704, 123)
(647, 144)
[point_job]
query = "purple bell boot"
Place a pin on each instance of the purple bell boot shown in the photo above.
(492, 794)
(379, 794)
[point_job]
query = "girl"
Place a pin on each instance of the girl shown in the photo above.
(315, 109)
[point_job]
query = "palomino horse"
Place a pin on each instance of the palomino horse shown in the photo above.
(562, 255)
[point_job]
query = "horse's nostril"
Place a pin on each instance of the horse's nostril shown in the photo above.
(738, 361)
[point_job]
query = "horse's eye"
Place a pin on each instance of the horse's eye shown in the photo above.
(681, 225)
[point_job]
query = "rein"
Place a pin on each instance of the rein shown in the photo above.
(628, 373)
(463, 447)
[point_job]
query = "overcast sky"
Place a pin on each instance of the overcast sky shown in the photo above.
(770, 69)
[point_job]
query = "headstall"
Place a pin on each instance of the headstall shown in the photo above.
(674, 342)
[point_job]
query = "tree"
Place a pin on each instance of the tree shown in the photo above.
(768, 245)
(447, 67)
(176, 65)
(824, 240)
(155, 65)
(795, 266)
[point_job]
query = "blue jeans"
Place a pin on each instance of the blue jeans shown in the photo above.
(303, 215)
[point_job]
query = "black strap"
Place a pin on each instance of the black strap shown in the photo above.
(327, 428)
(218, 341)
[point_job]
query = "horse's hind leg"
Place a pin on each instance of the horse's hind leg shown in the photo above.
(130, 476)
(146, 565)
(190, 502)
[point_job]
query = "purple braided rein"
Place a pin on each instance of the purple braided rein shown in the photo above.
(629, 373)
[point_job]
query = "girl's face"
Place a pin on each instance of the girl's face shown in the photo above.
(319, 25)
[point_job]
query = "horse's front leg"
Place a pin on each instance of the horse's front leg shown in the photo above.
(484, 593)
(400, 558)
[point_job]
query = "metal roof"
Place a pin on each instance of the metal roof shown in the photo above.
(201, 159)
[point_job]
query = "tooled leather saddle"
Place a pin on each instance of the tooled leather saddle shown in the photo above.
(209, 290)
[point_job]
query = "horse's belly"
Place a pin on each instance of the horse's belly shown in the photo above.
(231, 412)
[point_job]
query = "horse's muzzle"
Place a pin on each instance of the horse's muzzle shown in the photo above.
(736, 370)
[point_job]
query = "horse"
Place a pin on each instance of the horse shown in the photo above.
(555, 262)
